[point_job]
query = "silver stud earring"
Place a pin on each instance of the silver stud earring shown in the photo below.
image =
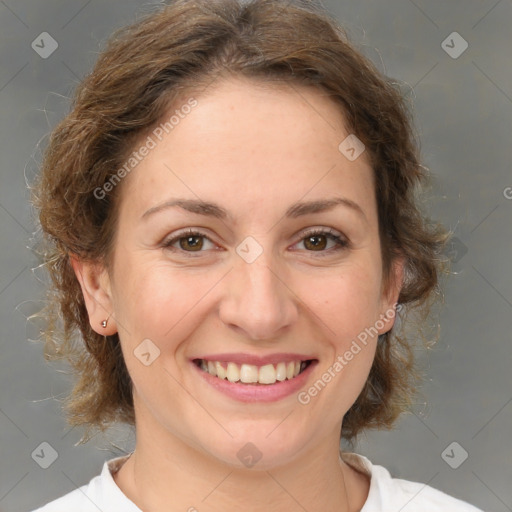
(104, 323)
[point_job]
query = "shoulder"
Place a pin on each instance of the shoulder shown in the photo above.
(388, 493)
(101, 493)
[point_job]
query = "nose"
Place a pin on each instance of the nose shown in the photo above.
(257, 301)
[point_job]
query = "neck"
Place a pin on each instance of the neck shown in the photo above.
(165, 470)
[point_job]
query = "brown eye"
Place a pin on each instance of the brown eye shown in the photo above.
(318, 241)
(315, 242)
(192, 243)
(188, 242)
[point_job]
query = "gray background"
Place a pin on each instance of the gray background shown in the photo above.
(463, 110)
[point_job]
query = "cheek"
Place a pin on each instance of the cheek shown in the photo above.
(156, 302)
(348, 306)
(348, 302)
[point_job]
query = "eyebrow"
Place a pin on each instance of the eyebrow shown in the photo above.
(295, 210)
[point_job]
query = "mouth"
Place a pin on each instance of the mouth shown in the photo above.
(254, 375)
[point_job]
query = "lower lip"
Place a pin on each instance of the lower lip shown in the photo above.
(257, 392)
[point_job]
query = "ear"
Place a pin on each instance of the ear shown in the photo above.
(96, 289)
(390, 296)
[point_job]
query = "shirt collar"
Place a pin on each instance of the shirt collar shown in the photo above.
(358, 462)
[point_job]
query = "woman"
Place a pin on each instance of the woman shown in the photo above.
(232, 229)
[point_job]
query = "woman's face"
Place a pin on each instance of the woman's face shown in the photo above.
(254, 286)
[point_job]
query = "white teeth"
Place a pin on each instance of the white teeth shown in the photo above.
(281, 371)
(251, 374)
(221, 371)
(290, 370)
(233, 372)
(248, 373)
(267, 374)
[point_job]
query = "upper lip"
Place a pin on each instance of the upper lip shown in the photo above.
(240, 358)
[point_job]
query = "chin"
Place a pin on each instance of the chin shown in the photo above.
(257, 449)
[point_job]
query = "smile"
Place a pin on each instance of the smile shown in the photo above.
(252, 374)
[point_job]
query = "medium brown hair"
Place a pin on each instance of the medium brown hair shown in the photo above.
(181, 48)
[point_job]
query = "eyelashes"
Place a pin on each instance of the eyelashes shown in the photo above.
(191, 239)
(340, 243)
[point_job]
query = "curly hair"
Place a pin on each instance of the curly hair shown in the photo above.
(183, 47)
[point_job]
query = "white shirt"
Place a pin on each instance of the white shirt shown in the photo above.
(386, 494)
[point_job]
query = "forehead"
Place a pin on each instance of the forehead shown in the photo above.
(249, 146)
